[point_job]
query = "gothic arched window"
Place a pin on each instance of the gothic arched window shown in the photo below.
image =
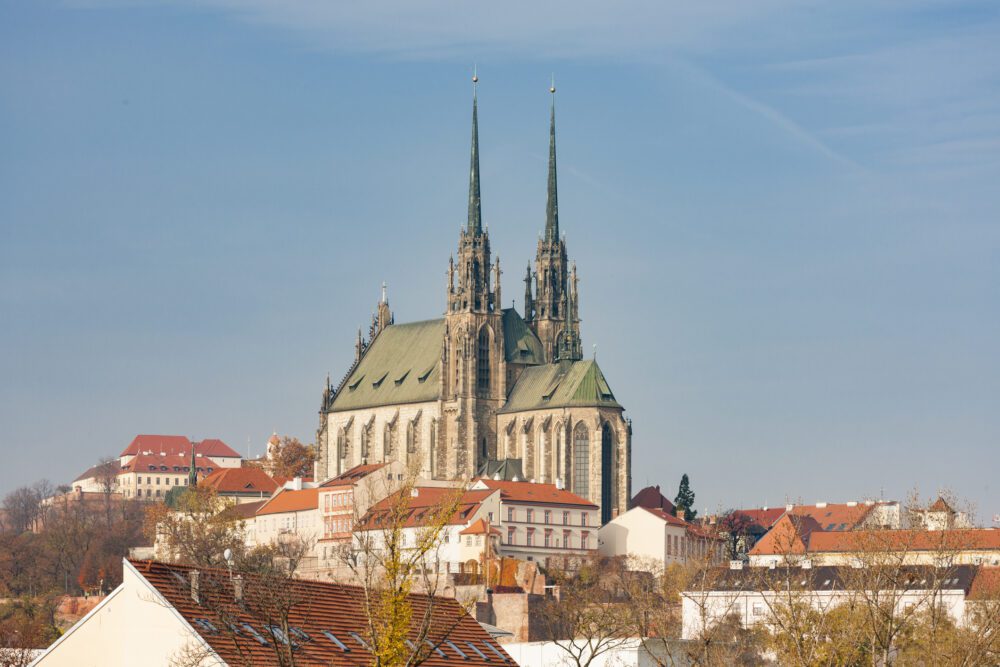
(607, 472)
(483, 364)
(581, 461)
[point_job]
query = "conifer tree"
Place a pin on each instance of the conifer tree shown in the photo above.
(685, 499)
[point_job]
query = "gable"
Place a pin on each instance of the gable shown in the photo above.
(403, 365)
(521, 345)
(558, 385)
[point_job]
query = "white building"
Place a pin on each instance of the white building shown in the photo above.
(657, 537)
(542, 521)
(162, 616)
(452, 555)
(289, 513)
(750, 594)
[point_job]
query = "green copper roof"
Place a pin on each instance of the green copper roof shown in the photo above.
(475, 225)
(559, 385)
(520, 342)
(403, 365)
(552, 199)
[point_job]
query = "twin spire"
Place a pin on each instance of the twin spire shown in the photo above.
(475, 223)
(475, 209)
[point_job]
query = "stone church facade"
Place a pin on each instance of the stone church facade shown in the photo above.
(482, 386)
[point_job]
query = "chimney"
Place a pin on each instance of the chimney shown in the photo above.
(789, 507)
(196, 586)
(238, 588)
(681, 513)
(820, 505)
(297, 484)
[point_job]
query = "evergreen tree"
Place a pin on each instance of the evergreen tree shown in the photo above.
(685, 499)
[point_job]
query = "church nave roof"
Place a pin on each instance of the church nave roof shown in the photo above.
(403, 365)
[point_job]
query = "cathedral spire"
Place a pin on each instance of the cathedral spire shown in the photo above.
(475, 226)
(552, 202)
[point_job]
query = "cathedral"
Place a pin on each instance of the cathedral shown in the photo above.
(485, 389)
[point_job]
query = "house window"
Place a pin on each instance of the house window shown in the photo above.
(468, 540)
(511, 514)
(510, 536)
(548, 538)
(565, 518)
(758, 609)
(585, 540)
(567, 536)
(530, 513)
(548, 516)
(530, 539)
(583, 518)
(670, 545)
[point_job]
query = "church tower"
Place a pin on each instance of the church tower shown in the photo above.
(473, 385)
(553, 311)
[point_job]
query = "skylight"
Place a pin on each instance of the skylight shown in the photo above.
(336, 642)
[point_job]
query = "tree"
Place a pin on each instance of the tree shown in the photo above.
(290, 458)
(196, 532)
(735, 526)
(590, 615)
(685, 500)
(23, 506)
(389, 560)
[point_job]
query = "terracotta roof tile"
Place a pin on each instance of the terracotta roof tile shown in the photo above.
(422, 504)
(960, 539)
(171, 463)
(319, 608)
(534, 493)
(178, 445)
(791, 534)
(289, 500)
(835, 516)
(480, 527)
(352, 476)
(248, 480)
(652, 498)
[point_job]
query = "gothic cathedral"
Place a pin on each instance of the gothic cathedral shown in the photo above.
(485, 390)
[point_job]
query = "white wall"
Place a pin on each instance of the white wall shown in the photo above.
(132, 627)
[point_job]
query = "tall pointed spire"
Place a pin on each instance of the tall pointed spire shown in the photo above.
(552, 202)
(475, 212)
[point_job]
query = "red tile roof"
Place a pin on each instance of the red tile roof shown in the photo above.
(835, 516)
(169, 444)
(318, 608)
(290, 500)
(940, 505)
(215, 447)
(790, 534)
(171, 463)
(92, 471)
(352, 476)
(242, 511)
(651, 498)
(480, 527)
(765, 518)
(248, 480)
(421, 506)
(178, 444)
(959, 539)
(535, 494)
(666, 516)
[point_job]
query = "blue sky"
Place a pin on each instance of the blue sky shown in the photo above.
(784, 216)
